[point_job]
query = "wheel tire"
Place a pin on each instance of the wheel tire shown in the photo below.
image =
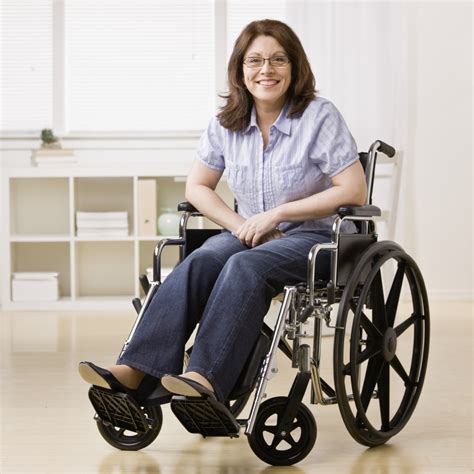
(369, 331)
(129, 440)
(264, 441)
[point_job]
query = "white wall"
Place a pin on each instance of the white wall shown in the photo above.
(436, 207)
(402, 72)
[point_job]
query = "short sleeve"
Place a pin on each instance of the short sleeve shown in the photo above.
(333, 148)
(210, 148)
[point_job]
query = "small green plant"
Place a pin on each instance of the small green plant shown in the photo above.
(48, 139)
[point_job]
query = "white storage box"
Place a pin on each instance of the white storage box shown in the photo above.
(35, 286)
(165, 271)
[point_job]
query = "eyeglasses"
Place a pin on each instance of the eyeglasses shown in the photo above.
(275, 61)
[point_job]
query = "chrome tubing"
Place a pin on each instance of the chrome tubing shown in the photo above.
(290, 292)
(183, 223)
(313, 253)
(317, 395)
(157, 255)
(153, 287)
(318, 391)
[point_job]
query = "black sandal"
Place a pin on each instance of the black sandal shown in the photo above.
(101, 377)
(178, 385)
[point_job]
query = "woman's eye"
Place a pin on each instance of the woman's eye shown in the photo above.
(253, 60)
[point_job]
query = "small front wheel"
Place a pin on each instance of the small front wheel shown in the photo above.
(127, 440)
(282, 448)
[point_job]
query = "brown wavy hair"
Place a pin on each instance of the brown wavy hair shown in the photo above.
(235, 114)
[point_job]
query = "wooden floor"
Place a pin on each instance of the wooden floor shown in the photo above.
(47, 425)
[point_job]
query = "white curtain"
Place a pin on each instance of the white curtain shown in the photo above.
(402, 72)
(354, 49)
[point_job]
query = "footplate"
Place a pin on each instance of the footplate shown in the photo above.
(205, 416)
(119, 409)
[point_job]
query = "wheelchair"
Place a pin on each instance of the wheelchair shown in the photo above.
(382, 308)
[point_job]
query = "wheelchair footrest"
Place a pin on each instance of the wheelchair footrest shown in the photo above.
(205, 416)
(119, 409)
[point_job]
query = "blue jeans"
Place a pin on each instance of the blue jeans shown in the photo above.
(227, 288)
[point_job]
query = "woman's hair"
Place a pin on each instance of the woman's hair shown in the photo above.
(235, 114)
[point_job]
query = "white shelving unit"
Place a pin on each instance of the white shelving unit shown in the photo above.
(39, 207)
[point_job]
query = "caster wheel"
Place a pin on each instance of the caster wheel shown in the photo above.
(282, 449)
(381, 344)
(127, 440)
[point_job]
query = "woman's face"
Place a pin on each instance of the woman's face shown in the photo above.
(268, 84)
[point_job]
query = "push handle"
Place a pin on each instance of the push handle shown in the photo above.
(385, 148)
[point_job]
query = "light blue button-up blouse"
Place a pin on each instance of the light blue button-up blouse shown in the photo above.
(301, 157)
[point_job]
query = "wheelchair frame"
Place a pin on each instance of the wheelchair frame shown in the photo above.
(355, 283)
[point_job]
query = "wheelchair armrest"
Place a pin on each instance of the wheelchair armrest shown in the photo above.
(185, 206)
(360, 211)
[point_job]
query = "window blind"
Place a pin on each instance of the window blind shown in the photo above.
(141, 65)
(26, 60)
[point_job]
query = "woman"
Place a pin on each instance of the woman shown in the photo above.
(291, 162)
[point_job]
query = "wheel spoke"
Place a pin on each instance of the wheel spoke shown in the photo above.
(401, 328)
(289, 439)
(384, 396)
(366, 354)
(276, 441)
(296, 424)
(270, 429)
(372, 376)
(394, 295)
(371, 330)
(378, 303)
(398, 367)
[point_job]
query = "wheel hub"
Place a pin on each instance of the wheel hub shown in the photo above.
(389, 344)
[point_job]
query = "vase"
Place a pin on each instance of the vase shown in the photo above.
(168, 223)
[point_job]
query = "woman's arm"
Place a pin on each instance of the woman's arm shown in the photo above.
(349, 188)
(200, 192)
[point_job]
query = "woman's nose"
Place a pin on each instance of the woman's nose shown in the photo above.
(267, 67)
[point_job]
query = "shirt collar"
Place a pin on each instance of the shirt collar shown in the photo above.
(282, 123)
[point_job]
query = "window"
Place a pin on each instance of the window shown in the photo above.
(121, 66)
(26, 64)
(139, 65)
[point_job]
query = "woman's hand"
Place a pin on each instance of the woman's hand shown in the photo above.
(259, 229)
(272, 235)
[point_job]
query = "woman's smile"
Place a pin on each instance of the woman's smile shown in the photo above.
(267, 83)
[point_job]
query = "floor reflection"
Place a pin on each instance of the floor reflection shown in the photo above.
(385, 459)
(126, 462)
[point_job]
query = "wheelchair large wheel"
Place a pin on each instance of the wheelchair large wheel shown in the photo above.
(381, 344)
(282, 449)
(127, 440)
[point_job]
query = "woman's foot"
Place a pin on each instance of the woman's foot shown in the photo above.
(128, 376)
(117, 377)
(199, 379)
(190, 384)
